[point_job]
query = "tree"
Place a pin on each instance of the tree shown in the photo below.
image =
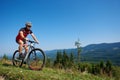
(71, 60)
(65, 60)
(77, 43)
(58, 60)
(108, 67)
(102, 66)
(5, 57)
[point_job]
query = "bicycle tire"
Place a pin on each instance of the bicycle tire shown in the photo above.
(14, 61)
(41, 61)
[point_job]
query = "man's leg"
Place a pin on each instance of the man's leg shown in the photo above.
(21, 43)
(26, 49)
(20, 46)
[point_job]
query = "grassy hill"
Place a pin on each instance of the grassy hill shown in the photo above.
(9, 72)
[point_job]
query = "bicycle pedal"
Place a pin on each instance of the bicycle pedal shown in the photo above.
(24, 62)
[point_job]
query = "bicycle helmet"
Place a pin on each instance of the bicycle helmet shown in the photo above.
(28, 24)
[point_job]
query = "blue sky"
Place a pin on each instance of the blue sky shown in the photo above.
(58, 23)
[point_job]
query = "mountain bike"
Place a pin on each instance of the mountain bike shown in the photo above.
(35, 58)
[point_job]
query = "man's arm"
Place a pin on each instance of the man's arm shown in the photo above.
(34, 37)
(21, 34)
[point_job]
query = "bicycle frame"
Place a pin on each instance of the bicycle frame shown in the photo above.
(30, 47)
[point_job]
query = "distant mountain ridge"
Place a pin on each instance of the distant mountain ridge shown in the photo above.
(103, 46)
(94, 52)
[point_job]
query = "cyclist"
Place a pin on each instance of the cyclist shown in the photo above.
(21, 38)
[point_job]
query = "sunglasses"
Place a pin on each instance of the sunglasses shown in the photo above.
(29, 26)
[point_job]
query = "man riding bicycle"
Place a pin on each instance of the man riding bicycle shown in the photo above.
(21, 38)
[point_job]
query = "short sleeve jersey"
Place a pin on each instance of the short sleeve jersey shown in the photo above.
(25, 33)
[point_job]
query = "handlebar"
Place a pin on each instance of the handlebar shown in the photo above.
(32, 41)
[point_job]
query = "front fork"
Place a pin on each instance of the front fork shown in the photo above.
(33, 55)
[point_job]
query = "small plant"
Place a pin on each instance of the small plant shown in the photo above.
(5, 57)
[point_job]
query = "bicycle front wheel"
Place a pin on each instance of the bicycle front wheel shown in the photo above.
(36, 59)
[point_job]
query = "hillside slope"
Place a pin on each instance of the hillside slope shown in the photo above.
(10, 72)
(103, 51)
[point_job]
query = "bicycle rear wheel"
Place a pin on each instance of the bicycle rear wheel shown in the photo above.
(15, 60)
(36, 59)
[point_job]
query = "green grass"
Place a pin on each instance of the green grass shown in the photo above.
(10, 72)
